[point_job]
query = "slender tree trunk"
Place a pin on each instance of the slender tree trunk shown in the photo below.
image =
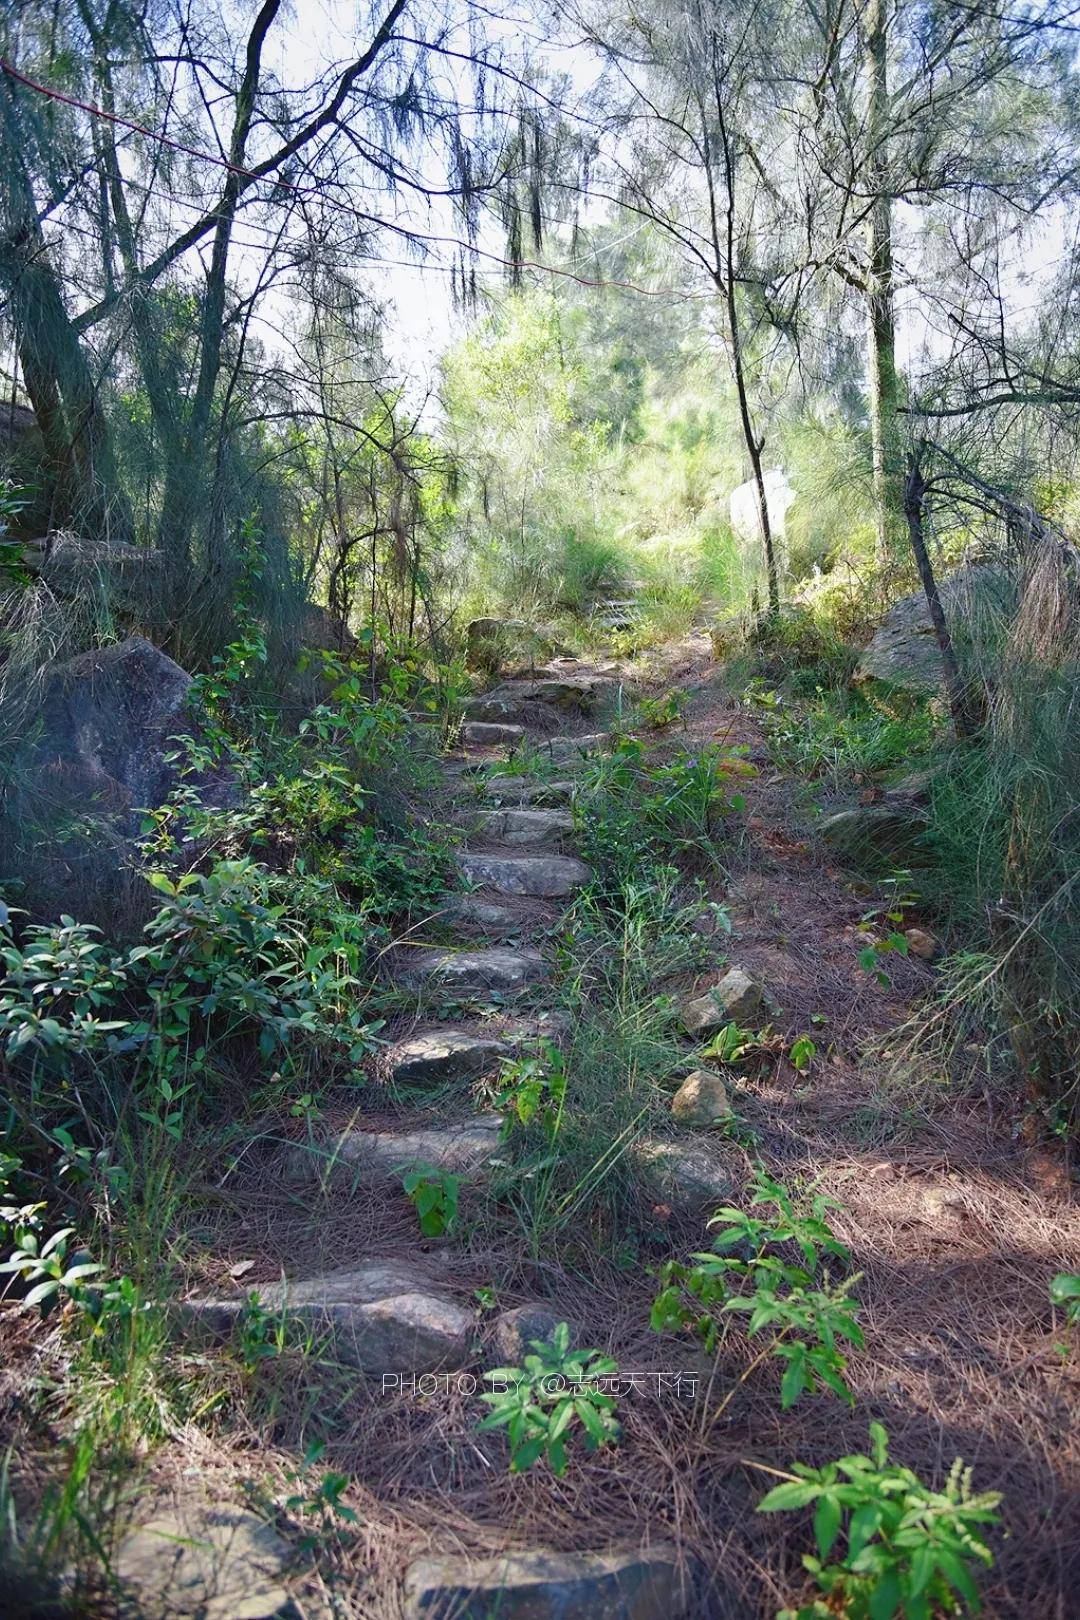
(754, 444)
(882, 387)
(57, 374)
(959, 706)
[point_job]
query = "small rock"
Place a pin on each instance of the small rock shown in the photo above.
(736, 999)
(921, 944)
(518, 1329)
(544, 876)
(469, 973)
(647, 1584)
(520, 828)
(684, 1175)
(484, 734)
(701, 1100)
(220, 1563)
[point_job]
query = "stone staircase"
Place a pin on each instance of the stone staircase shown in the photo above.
(516, 865)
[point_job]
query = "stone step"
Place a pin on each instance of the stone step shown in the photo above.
(194, 1557)
(447, 1054)
(543, 1584)
(386, 1315)
(569, 750)
(493, 709)
(527, 790)
(493, 918)
(489, 969)
(546, 876)
(687, 1176)
(492, 734)
(522, 828)
(582, 693)
(463, 1148)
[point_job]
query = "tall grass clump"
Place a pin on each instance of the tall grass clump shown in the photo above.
(1005, 827)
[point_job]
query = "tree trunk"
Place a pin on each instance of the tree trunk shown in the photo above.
(882, 388)
(58, 379)
(959, 706)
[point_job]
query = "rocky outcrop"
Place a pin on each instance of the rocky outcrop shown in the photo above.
(903, 658)
(647, 1584)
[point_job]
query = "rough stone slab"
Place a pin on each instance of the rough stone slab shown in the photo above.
(493, 710)
(582, 692)
(684, 1175)
(463, 1148)
(526, 790)
(441, 1056)
(565, 750)
(546, 1585)
(737, 998)
(492, 734)
(191, 1558)
(545, 876)
(385, 1316)
(524, 828)
(479, 972)
(495, 918)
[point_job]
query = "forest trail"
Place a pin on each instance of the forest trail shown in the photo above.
(952, 1239)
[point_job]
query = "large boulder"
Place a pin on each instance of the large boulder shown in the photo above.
(745, 512)
(903, 658)
(108, 720)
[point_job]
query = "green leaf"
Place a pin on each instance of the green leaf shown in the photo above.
(793, 1493)
(827, 1518)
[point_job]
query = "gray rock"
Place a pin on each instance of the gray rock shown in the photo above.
(441, 1056)
(192, 1558)
(878, 833)
(490, 970)
(522, 828)
(483, 734)
(526, 790)
(491, 709)
(463, 1148)
(701, 1100)
(494, 918)
(904, 658)
(385, 1316)
(107, 720)
(545, 876)
(736, 999)
(566, 750)
(646, 1584)
(684, 1175)
(569, 692)
(517, 1330)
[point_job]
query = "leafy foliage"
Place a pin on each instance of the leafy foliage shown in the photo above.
(557, 1394)
(909, 1548)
